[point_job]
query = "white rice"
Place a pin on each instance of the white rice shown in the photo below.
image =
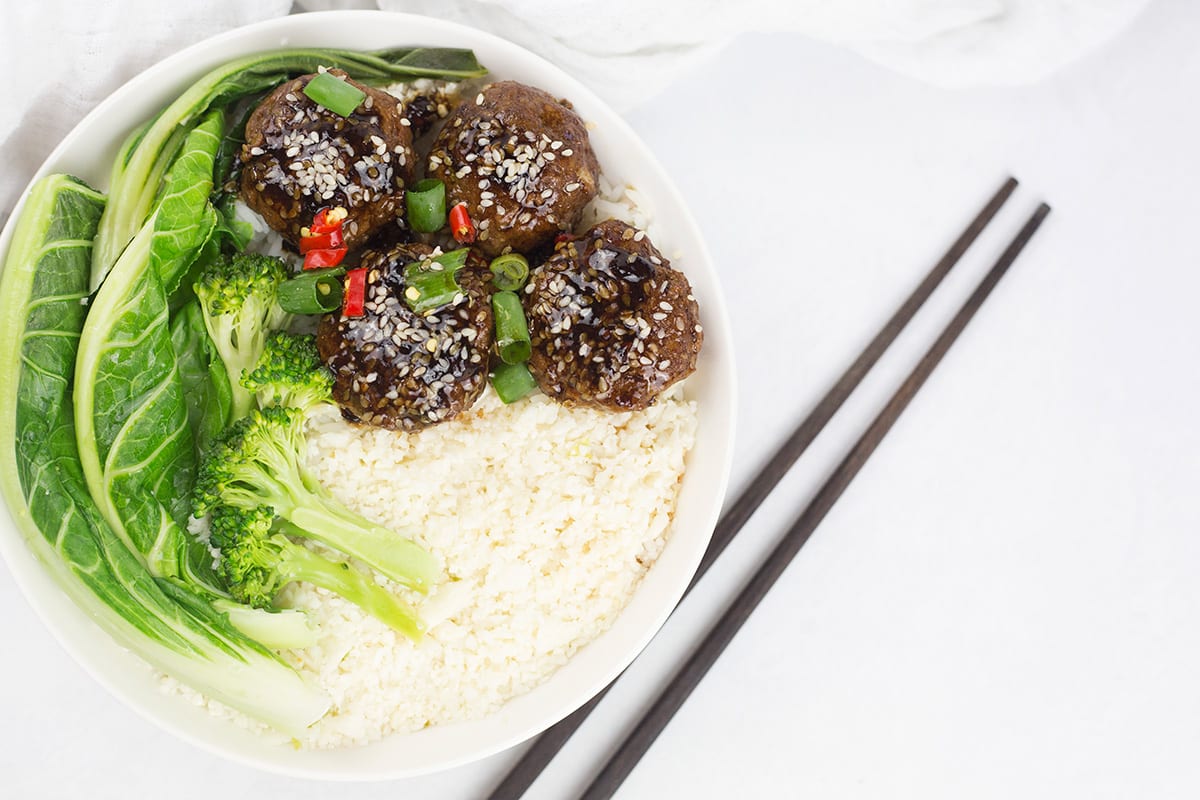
(546, 517)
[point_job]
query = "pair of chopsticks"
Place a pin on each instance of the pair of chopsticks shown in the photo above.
(622, 762)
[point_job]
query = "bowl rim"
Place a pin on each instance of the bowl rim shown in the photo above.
(37, 586)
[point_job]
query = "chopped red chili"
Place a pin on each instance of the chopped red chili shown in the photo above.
(461, 226)
(356, 290)
(327, 220)
(320, 259)
(321, 241)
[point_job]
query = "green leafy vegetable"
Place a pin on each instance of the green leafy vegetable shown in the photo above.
(184, 220)
(135, 177)
(131, 416)
(42, 291)
(205, 382)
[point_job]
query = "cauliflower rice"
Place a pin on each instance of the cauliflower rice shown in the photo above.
(546, 518)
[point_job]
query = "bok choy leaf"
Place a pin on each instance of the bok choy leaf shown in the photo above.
(42, 290)
(131, 411)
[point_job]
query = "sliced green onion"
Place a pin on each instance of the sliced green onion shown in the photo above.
(426, 204)
(334, 93)
(429, 288)
(316, 291)
(512, 334)
(512, 382)
(453, 260)
(509, 271)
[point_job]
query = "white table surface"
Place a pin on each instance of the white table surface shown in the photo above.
(1006, 603)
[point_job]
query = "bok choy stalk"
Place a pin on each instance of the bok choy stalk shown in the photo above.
(42, 290)
(134, 182)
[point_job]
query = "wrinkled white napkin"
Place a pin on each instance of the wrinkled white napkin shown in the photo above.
(61, 58)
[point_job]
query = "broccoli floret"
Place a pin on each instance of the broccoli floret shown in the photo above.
(259, 460)
(290, 373)
(257, 562)
(237, 296)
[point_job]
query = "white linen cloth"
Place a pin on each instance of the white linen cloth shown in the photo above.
(62, 57)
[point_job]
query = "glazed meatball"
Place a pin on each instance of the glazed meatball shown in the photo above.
(395, 368)
(522, 163)
(612, 324)
(300, 157)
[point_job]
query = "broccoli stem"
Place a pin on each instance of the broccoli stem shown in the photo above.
(301, 564)
(250, 341)
(398, 558)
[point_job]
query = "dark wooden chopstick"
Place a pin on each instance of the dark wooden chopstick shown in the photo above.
(547, 746)
(686, 679)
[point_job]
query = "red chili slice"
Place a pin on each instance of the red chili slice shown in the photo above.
(356, 291)
(321, 241)
(320, 259)
(321, 223)
(461, 226)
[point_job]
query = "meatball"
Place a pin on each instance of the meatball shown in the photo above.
(612, 324)
(522, 163)
(398, 369)
(300, 157)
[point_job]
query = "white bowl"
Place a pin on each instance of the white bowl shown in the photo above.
(88, 152)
